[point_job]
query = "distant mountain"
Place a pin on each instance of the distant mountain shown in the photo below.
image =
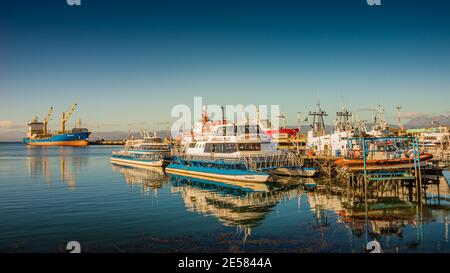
(418, 122)
(117, 135)
(426, 121)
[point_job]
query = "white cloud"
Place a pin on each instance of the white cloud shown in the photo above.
(9, 124)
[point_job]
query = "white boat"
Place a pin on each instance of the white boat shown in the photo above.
(232, 152)
(335, 144)
(148, 151)
(380, 127)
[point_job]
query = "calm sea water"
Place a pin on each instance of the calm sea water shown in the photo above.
(50, 196)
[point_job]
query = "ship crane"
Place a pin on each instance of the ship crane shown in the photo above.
(400, 125)
(46, 119)
(66, 116)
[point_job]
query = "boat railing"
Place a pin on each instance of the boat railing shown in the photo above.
(252, 162)
(139, 156)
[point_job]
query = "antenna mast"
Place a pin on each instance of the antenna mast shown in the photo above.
(318, 124)
(398, 118)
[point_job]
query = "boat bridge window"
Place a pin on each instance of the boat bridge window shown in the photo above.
(225, 130)
(387, 148)
(248, 129)
(390, 148)
(220, 148)
(381, 148)
(152, 147)
(192, 145)
(249, 146)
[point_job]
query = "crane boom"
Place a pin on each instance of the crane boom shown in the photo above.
(66, 116)
(46, 119)
(400, 125)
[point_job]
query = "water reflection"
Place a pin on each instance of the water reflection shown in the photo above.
(41, 162)
(243, 205)
(150, 179)
(392, 212)
(391, 208)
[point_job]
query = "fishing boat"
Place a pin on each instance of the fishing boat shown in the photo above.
(335, 143)
(381, 154)
(286, 138)
(39, 135)
(380, 127)
(148, 151)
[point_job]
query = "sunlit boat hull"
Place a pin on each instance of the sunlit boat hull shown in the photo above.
(401, 163)
(217, 174)
(136, 162)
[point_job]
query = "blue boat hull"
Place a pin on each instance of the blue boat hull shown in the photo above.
(68, 139)
(217, 174)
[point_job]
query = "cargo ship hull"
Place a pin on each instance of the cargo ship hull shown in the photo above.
(68, 139)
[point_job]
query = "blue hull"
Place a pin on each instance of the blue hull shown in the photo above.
(217, 174)
(68, 139)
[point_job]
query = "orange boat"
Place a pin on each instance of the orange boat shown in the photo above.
(382, 156)
(377, 164)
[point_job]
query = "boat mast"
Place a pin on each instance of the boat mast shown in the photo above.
(204, 117)
(343, 120)
(318, 124)
(398, 117)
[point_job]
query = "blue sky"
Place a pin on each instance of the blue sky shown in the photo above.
(128, 62)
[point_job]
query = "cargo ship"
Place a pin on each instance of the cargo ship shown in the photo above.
(38, 134)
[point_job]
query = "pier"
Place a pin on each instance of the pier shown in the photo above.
(106, 142)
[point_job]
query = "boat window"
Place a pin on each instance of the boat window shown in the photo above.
(390, 148)
(220, 131)
(248, 129)
(229, 130)
(249, 146)
(208, 148)
(381, 148)
(230, 147)
(218, 147)
(192, 145)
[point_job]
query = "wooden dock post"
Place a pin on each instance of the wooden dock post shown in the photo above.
(365, 188)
